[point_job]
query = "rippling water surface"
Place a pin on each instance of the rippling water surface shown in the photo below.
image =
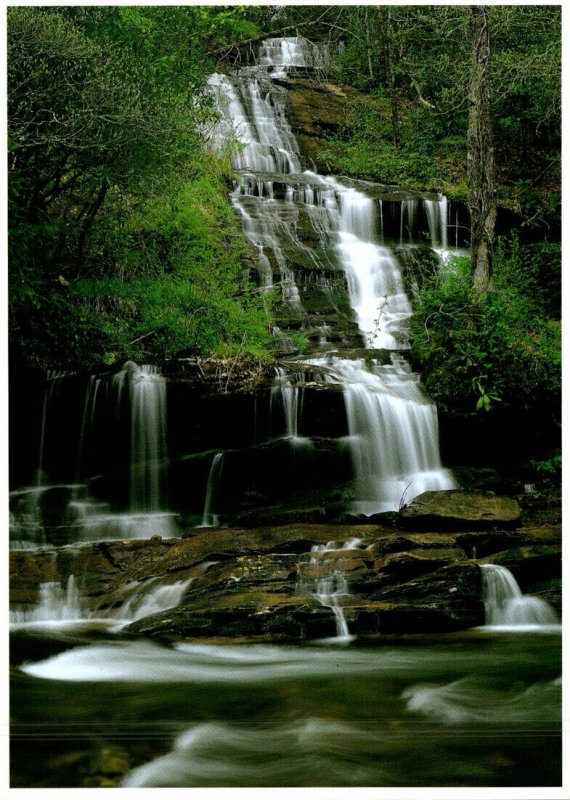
(92, 709)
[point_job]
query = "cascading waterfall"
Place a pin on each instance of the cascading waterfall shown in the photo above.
(393, 432)
(328, 590)
(331, 587)
(151, 598)
(56, 604)
(392, 424)
(148, 438)
(140, 393)
(59, 606)
(289, 395)
(507, 607)
(436, 212)
(210, 519)
(143, 389)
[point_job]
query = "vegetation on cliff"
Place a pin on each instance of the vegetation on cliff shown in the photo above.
(123, 242)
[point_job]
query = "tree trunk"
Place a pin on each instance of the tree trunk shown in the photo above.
(480, 155)
(88, 222)
(368, 45)
(386, 26)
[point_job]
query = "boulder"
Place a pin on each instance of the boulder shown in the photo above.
(459, 510)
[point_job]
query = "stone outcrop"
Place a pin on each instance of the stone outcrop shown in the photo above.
(261, 582)
(452, 510)
(315, 109)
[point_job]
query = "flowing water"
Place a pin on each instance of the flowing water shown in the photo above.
(209, 518)
(392, 424)
(467, 710)
(507, 607)
(91, 706)
(134, 396)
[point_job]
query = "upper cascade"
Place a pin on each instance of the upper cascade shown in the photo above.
(282, 54)
(392, 424)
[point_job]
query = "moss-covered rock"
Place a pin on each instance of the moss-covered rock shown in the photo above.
(456, 509)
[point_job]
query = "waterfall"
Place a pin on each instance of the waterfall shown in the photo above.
(328, 589)
(436, 212)
(136, 394)
(63, 606)
(148, 437)
(289, 395)
(507, 607)
(392, 425)
(393, 432)
(148, 599)
(209, 518)
(373, 275)
(139, 391)
(56, 604)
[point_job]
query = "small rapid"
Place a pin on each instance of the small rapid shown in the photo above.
(508, 609)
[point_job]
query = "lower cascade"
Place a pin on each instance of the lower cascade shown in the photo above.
(507, 607)
(323, 579)
(393, 432)
(135, 601)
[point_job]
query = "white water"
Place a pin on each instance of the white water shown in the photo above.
(139, 391)
(506, 607)
(145, 389)
(328, 591)
(148, 437)
(147, 662)
(210, 519)
(55, 604)
(393, 426)
(331, 588)
(466, 701)
(393, 432)
(151, 597)
(58, 607)
(288, 393)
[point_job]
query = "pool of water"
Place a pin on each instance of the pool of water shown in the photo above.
(94, 708)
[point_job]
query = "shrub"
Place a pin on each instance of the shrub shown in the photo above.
(500, 349)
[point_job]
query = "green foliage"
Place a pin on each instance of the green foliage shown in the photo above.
(430, 54)
(502, 348)
(550, 467)
(364, 146)
(122, 239)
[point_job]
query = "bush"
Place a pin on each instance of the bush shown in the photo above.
(502, 348)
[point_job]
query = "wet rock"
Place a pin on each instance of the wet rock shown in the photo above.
(282, 517)
(399, 542)
(315, 109)
(448, 599)
(107, 767)
(479, 544)
(459, 510)
(531, 566)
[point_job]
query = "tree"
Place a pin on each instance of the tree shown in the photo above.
(480, 153)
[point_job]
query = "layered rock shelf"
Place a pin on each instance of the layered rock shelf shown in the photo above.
(252, 582)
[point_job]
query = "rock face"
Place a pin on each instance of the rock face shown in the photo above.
(263, 582)
(315, 109)
(452, 510)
